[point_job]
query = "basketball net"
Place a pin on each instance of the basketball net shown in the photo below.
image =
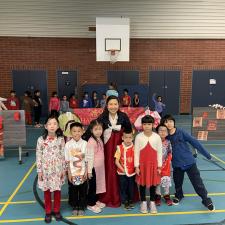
(113, 55)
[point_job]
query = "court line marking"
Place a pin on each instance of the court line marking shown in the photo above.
(65, 200)
(217, 158)
(17, 189)
(119, 215)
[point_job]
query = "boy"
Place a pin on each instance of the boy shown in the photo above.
(125, 168)
(75, 151)
(159, 106)
(148, 162)
(183, 161)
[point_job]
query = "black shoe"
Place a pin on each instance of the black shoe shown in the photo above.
(126, 206)
(48, 218)
(211, 207)
(131, 205)
(176, 201)
(58, 216)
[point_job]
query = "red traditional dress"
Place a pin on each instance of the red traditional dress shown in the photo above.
(113, 130)
(148, 157)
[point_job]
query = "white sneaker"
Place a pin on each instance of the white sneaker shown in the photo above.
(94, 209)
(143, 207)
(101, 205)
(152, 207)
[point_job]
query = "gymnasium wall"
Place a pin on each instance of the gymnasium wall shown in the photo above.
(52, 54)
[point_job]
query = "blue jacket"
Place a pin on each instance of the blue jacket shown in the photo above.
(182, 155)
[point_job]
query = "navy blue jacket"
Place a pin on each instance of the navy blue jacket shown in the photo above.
(182, 154)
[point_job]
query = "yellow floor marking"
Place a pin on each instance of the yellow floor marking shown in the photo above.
(217, 158)
(118, 216)
(65, 200)
(17, 189)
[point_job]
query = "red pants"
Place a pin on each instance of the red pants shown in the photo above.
(28, 118)
(48, 201)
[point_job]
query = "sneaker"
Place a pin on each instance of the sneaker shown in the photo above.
(176, 201)
(126, 206)
(58, 216)
(143, 207)
(169, 202)
(158, 200)
(48, 218)
(75, 212)
(211, 207)
(94, 208)
(152, 207)
(131, 205)
(80, 213)
(101, 205)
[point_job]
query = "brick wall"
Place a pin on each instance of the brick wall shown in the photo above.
(52, 54)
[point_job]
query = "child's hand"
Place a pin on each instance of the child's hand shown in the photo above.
(62, 175)
(69, 177)
(89, 175)
(40, 176)
(159, 169)
(137, 170)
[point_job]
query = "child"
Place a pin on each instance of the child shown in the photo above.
(136, 100)
(73, 101)
(126, 100)
(103, 101)
(183, 161)
(86, 101)
(95, 100)
(125, 169)
(112, 90)
(159, 106)
(51, 166)
(37, 108)
(165, 172)
(54, 104)
(96, 166)
(64, 105)
(2, 107)
(75, 151)
(148, 162)
(27, 106)
(13, 101)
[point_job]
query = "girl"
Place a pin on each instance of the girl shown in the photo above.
(95, 100)
(73, 101)
(96, 165)
(2, 107)
(64, 105)
(54, 104)
(51, 166)
(165, 172)
(37, 108)
(148, 162)
(136, 100)
(114, 122)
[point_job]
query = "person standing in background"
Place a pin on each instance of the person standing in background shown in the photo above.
(13, 101)
(37, 108)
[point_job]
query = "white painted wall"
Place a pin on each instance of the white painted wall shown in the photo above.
(149, 18)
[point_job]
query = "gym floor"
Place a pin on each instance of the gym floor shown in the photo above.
(18, 204)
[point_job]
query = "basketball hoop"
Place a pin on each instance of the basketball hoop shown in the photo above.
(113, 53)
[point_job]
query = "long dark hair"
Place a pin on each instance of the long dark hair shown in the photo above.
(107, 101)
(88, 133)
(58, 132)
